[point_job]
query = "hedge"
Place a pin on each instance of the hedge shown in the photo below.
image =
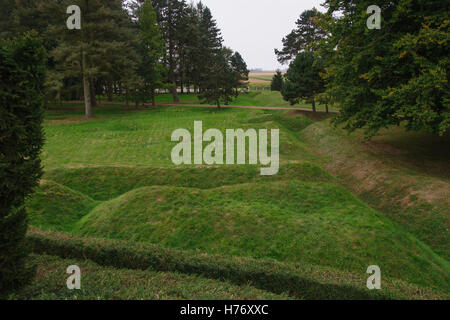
(22, 69)
(299, 281)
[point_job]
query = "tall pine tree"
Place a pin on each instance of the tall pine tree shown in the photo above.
(151, 49)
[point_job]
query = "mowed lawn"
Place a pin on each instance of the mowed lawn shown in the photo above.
(112, 177)
(255, 98)
(143, 138)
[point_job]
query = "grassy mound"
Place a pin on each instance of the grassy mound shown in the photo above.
(108, 283)
(301, 281)
(105, 183)
(315, 223)
(404, 175)
(54, 206)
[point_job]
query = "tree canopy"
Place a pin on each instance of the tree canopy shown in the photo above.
(396, 75)
(392, 76)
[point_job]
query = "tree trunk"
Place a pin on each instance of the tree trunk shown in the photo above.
(153, 98)
(326, 107)
(87, 89)
(175, 93)
(92, 91)
(314, 105)
(136, 98)
(172, 70)
(110, 92)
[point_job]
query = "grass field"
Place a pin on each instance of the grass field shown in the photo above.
(112, 178)
(265, 98)
(254, 98)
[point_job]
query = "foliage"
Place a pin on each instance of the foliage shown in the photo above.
(104, 48)
(277, 82)
(240, 70)
(219, 81)
(303, 79)
(22, 65)
(395, 75)
(151, 48)
(306, 36)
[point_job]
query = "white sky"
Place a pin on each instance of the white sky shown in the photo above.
(255, 28)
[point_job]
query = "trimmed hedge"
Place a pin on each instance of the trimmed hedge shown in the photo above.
(300, 281)
(22, 69)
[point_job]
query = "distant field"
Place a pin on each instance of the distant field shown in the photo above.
(260, 78)
(263, 76)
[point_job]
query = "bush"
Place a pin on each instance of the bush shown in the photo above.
(300, 281)
(22, 66)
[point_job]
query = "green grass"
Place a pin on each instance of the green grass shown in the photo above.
(316, 223)
(56, 207)
(387, 174)
(143, 138)
(264, 98)
(106, 183)
(255, 98)
(108, 283)
(112, 177)
(299, 280)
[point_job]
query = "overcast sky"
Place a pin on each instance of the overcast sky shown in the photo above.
(256, 27)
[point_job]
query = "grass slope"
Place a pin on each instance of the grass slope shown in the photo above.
(316, 223)
(299, 280)
(404, 175)
(56, 207)
(109, 283)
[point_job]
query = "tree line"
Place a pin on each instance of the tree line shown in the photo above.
(396, 75)
(129, 49)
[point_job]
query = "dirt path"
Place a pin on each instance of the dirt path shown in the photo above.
(198, 106)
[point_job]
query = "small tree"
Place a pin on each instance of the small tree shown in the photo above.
(219, 81)
(22, 65)
(303, 79)
(240, 69)
(277, 82)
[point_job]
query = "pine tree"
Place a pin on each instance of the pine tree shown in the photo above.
(277, 82)
(102, 47)
(151, 50)
(219, 82)
(240, 69)
(171, 18)
(303, 79)
(192, 63)
(306, 37)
